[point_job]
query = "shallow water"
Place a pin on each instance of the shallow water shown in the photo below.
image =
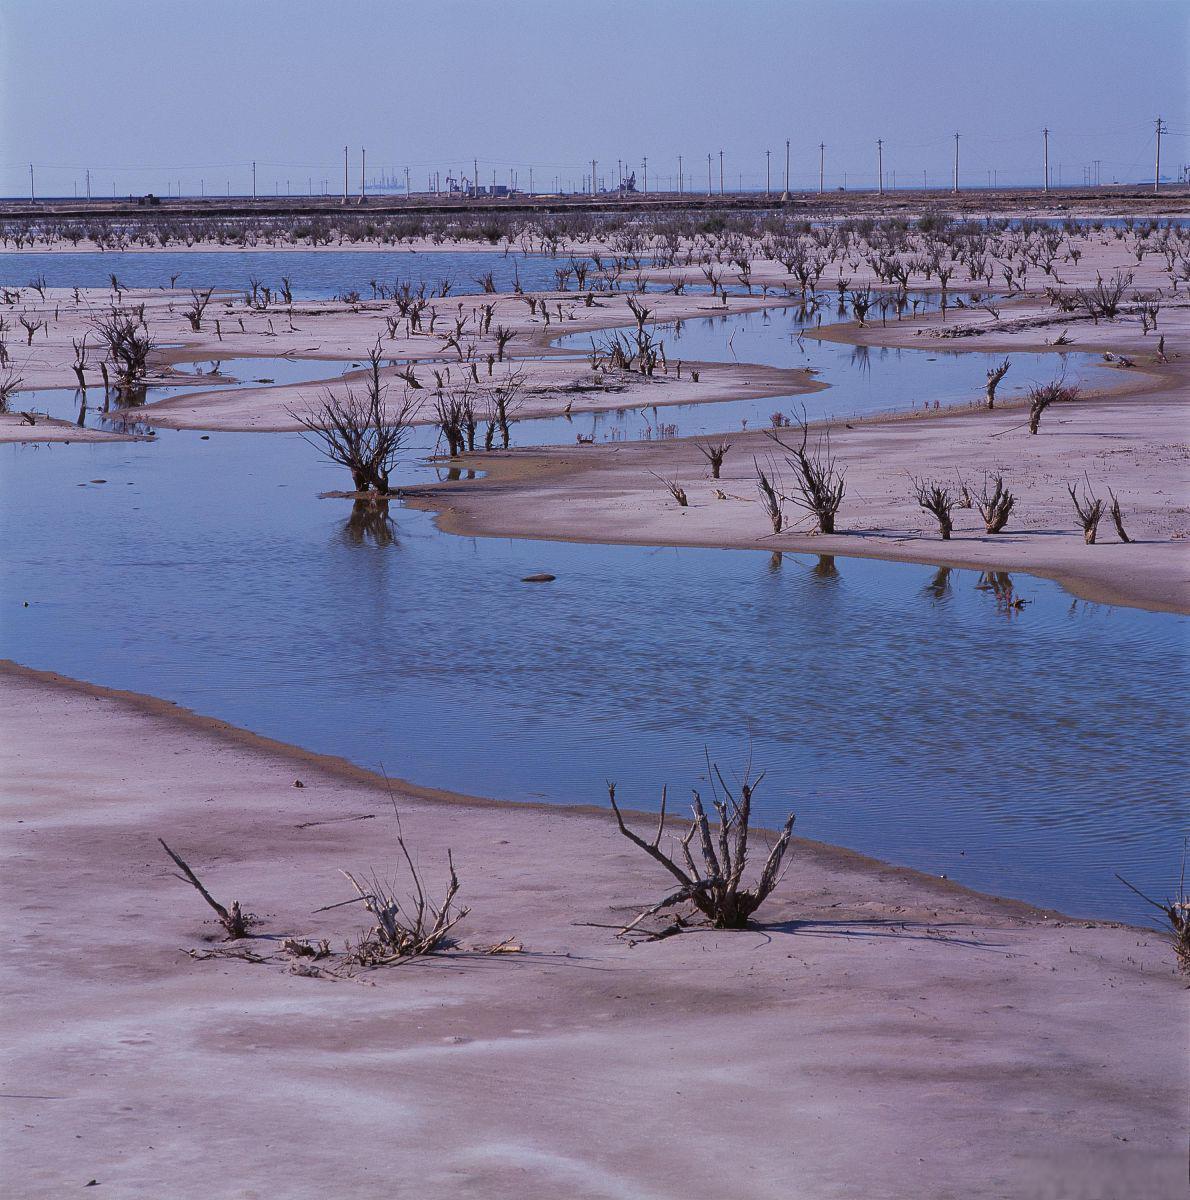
(909, 713)
(902, 712)
(314, 275)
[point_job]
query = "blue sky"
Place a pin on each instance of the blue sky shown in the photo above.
(147, 93)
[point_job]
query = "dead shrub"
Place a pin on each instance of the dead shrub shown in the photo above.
(714, 453)
(819, 480)
(937, 499)
(410, 929)
(995, 506)
(1040, 398)
(1088, 508)
(715, 887)
(1177, 916)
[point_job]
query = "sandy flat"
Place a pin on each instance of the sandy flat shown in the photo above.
(885, 1034)
(49, 429)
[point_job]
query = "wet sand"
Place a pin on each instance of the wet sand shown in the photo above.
(884, 1034)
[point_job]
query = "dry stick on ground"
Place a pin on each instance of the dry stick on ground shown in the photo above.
(714, 453)
(674, 488)
(1040, 398)
(1088, 509)
(715, 888)
(1177, 913)
(936, 499)
(1118, 518)
(232, 920)
(996, 506)
(995, 374)
(769, 486)
(819, 480)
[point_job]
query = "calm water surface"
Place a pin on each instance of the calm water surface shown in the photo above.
(313, 275)
(902, 711)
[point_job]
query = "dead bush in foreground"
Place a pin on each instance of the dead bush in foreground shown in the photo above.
(675, 489)
(936, 499)
(1040, 398)
(420, 927)
(1177, 916)
(234, 923)
(995, 506)
(1118, 518)
(714, 888)
(820, 482)
(1088, 509)
(769, 486)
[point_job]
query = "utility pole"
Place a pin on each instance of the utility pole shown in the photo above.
(88, 184)
(1161, 128)
(768, 173)
(880, 166)
(475, 177)
(708, 174)
(956, 164)
(407, 182)
(530, 181)
(785, 194)
(720, 172)
(1045, 135)
(679, 174)
(644, 163)
(593, 165)
(253, 179)
(344, 174)
(363, 179)
(821, 164)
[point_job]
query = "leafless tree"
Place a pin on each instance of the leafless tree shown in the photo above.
(716, 886)
(503, 337)
(995, 506)
(937, 499)
(1118, 518)
(10, 382)
(714, 452)
(1104, 299)
(198, 305)
(363, 433)
(80, 360)
(128, 345)
(1040, 398)
(31, 327)
(504, 399)
(1088, 508)
(819, 479)
(769, 486)
(995, 374)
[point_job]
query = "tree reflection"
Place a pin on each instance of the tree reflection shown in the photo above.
(370, 524)
(939, 587)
